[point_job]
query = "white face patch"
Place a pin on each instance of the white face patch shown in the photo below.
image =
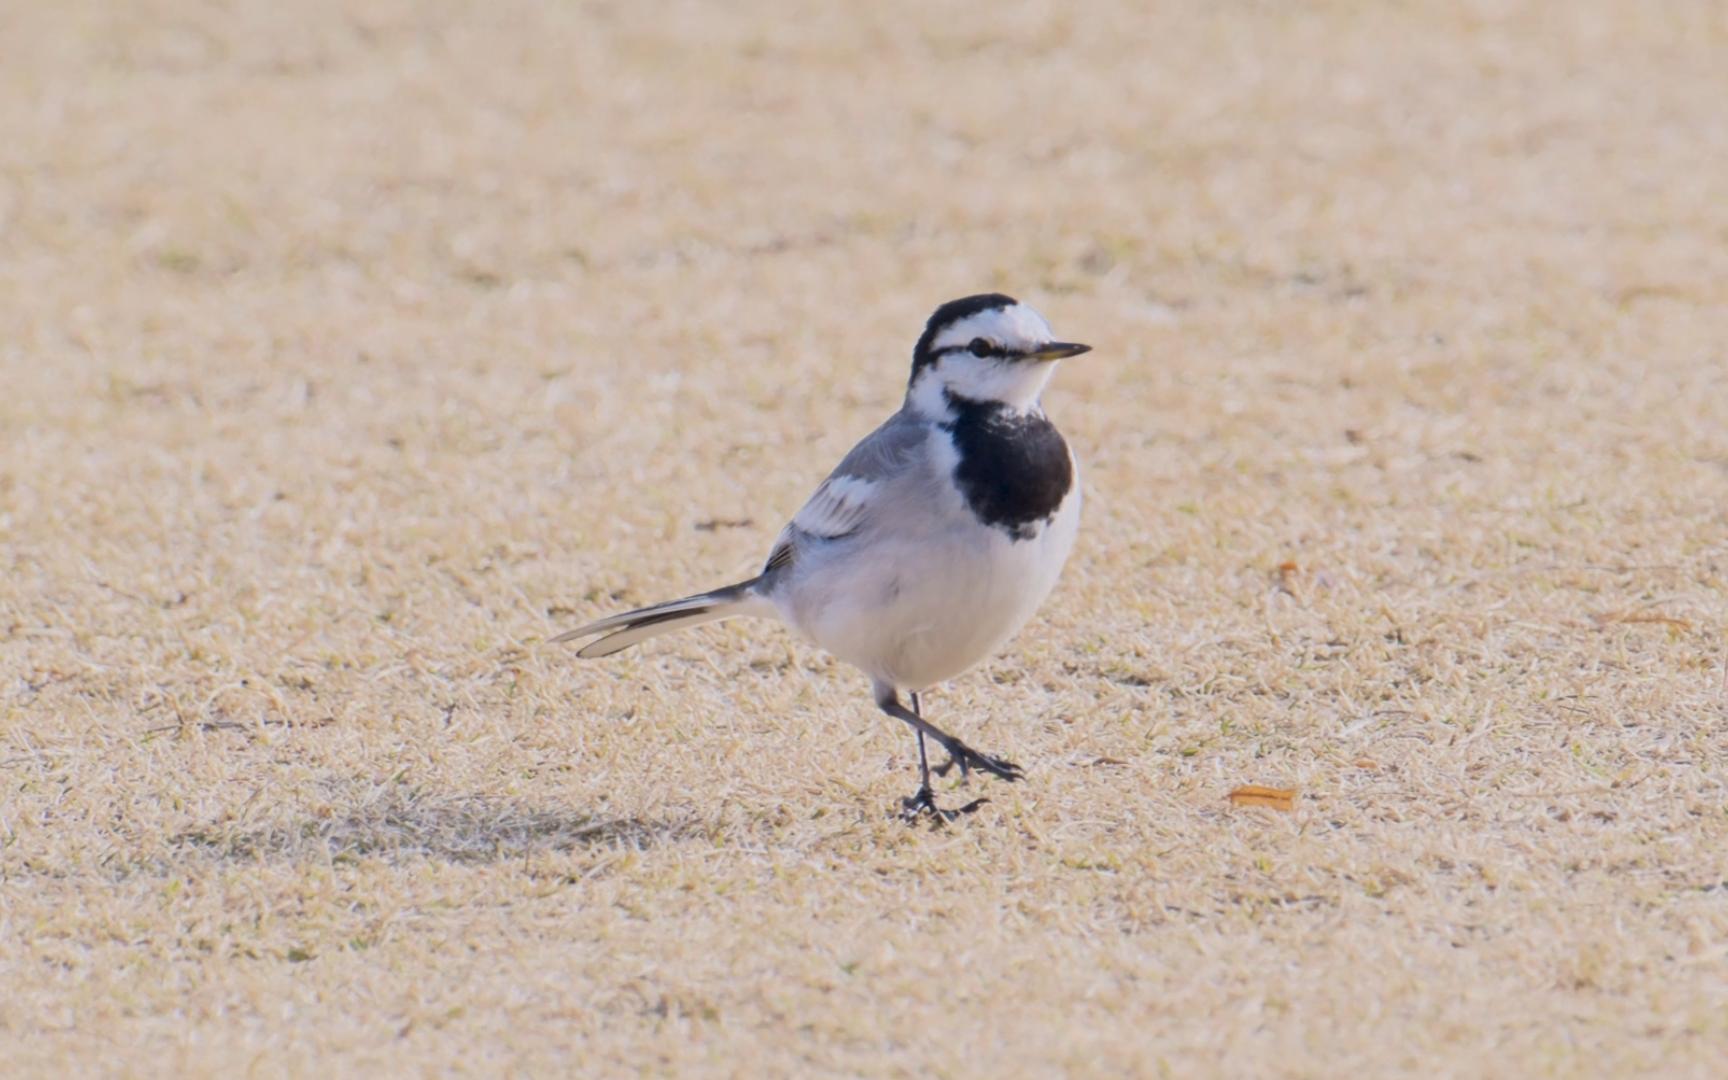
(1014, 383)
(1016, 327)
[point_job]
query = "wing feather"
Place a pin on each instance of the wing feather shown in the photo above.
(844, 502)
(839, 506)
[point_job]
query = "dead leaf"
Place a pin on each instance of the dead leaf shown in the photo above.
(1274, 798)
(1286, 577)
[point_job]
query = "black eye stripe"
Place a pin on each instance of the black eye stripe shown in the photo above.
(991, 350)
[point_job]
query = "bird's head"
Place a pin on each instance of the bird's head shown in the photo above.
(986, 348)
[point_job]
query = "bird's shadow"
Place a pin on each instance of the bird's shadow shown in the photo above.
(393, 821)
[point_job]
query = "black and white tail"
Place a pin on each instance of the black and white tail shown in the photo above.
(632, 627)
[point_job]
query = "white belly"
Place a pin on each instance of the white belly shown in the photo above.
(917, 610)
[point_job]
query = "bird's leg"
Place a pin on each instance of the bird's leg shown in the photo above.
(923, 756)
(942, 769)
(924, 800)
(958, 754)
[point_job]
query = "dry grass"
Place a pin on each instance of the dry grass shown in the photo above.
(352, 350)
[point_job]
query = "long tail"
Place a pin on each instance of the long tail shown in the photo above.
(632, 627)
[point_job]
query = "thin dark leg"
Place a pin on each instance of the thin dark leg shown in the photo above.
(958, 754)
(923, 755)
(924, 801)
(964, 756)
(924, 769)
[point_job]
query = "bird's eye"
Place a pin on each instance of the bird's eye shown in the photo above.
(979, 347)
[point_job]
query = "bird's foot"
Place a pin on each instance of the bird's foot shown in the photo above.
(968, 759)
(924, 802)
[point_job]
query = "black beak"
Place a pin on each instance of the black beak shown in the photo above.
(1057, 350)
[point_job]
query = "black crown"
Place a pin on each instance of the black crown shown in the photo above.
(949, 314)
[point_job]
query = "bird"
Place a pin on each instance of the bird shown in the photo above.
(931, 543)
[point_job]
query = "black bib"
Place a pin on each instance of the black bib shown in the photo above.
(1014, 469)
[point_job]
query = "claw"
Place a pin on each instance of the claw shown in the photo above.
(924, 802)
(968, 759)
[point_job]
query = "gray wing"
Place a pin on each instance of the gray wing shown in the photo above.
(845, 502)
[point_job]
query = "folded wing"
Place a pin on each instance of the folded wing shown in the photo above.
(848, 499)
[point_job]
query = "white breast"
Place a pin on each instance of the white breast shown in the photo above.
(924, 600)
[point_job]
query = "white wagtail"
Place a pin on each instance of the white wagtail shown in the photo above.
(933, 541)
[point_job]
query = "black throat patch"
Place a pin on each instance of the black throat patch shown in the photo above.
(1014, 469)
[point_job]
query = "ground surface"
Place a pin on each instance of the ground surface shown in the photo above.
(352, 350)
